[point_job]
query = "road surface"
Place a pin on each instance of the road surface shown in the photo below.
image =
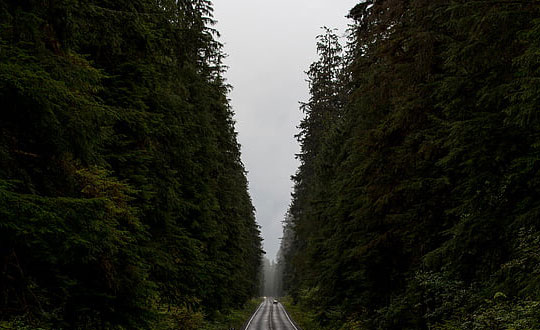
(270, 316)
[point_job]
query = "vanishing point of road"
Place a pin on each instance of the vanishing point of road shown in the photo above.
(270, 316)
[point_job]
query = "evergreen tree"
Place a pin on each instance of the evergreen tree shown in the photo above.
(414, 204)
(124, 202)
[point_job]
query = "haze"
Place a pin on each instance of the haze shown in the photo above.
(270, 44)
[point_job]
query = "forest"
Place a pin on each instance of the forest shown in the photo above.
(123, 198)
(417, 201)
(124, 202)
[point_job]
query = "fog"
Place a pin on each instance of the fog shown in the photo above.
(269, 45)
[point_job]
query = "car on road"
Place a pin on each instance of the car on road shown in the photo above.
(275, 301)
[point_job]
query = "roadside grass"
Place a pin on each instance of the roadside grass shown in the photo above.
(302, 317)
(166, 318)
(234, 318)
(305, 318)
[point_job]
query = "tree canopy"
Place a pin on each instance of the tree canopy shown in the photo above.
(123, 199)
(416, 203)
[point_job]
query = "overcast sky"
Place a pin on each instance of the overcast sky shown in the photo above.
(270, 44)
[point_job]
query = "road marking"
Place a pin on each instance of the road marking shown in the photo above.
(253, 316)
(271, 317)
(287, 315)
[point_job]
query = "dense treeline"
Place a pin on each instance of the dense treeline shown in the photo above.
(123, 200)
(271, 279)
(417, 202)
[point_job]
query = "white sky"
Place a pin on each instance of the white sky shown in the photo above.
(270, 44)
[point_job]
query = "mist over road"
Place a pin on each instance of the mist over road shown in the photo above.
(270, 316)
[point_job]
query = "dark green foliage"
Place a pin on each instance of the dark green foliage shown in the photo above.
(416, 202)
(122, 195)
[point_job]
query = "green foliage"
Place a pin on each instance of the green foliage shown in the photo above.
(304, 317)
(416, 200)
(233, 318)
(179, 318)
(123, 200)
(498, 314)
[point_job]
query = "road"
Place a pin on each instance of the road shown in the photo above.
(270, 316)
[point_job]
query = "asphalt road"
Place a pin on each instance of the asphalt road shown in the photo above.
(270, 316)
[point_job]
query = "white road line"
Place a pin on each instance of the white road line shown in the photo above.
(287, 315)
(254, 314)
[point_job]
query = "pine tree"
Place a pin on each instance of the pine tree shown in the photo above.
(124, 201)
